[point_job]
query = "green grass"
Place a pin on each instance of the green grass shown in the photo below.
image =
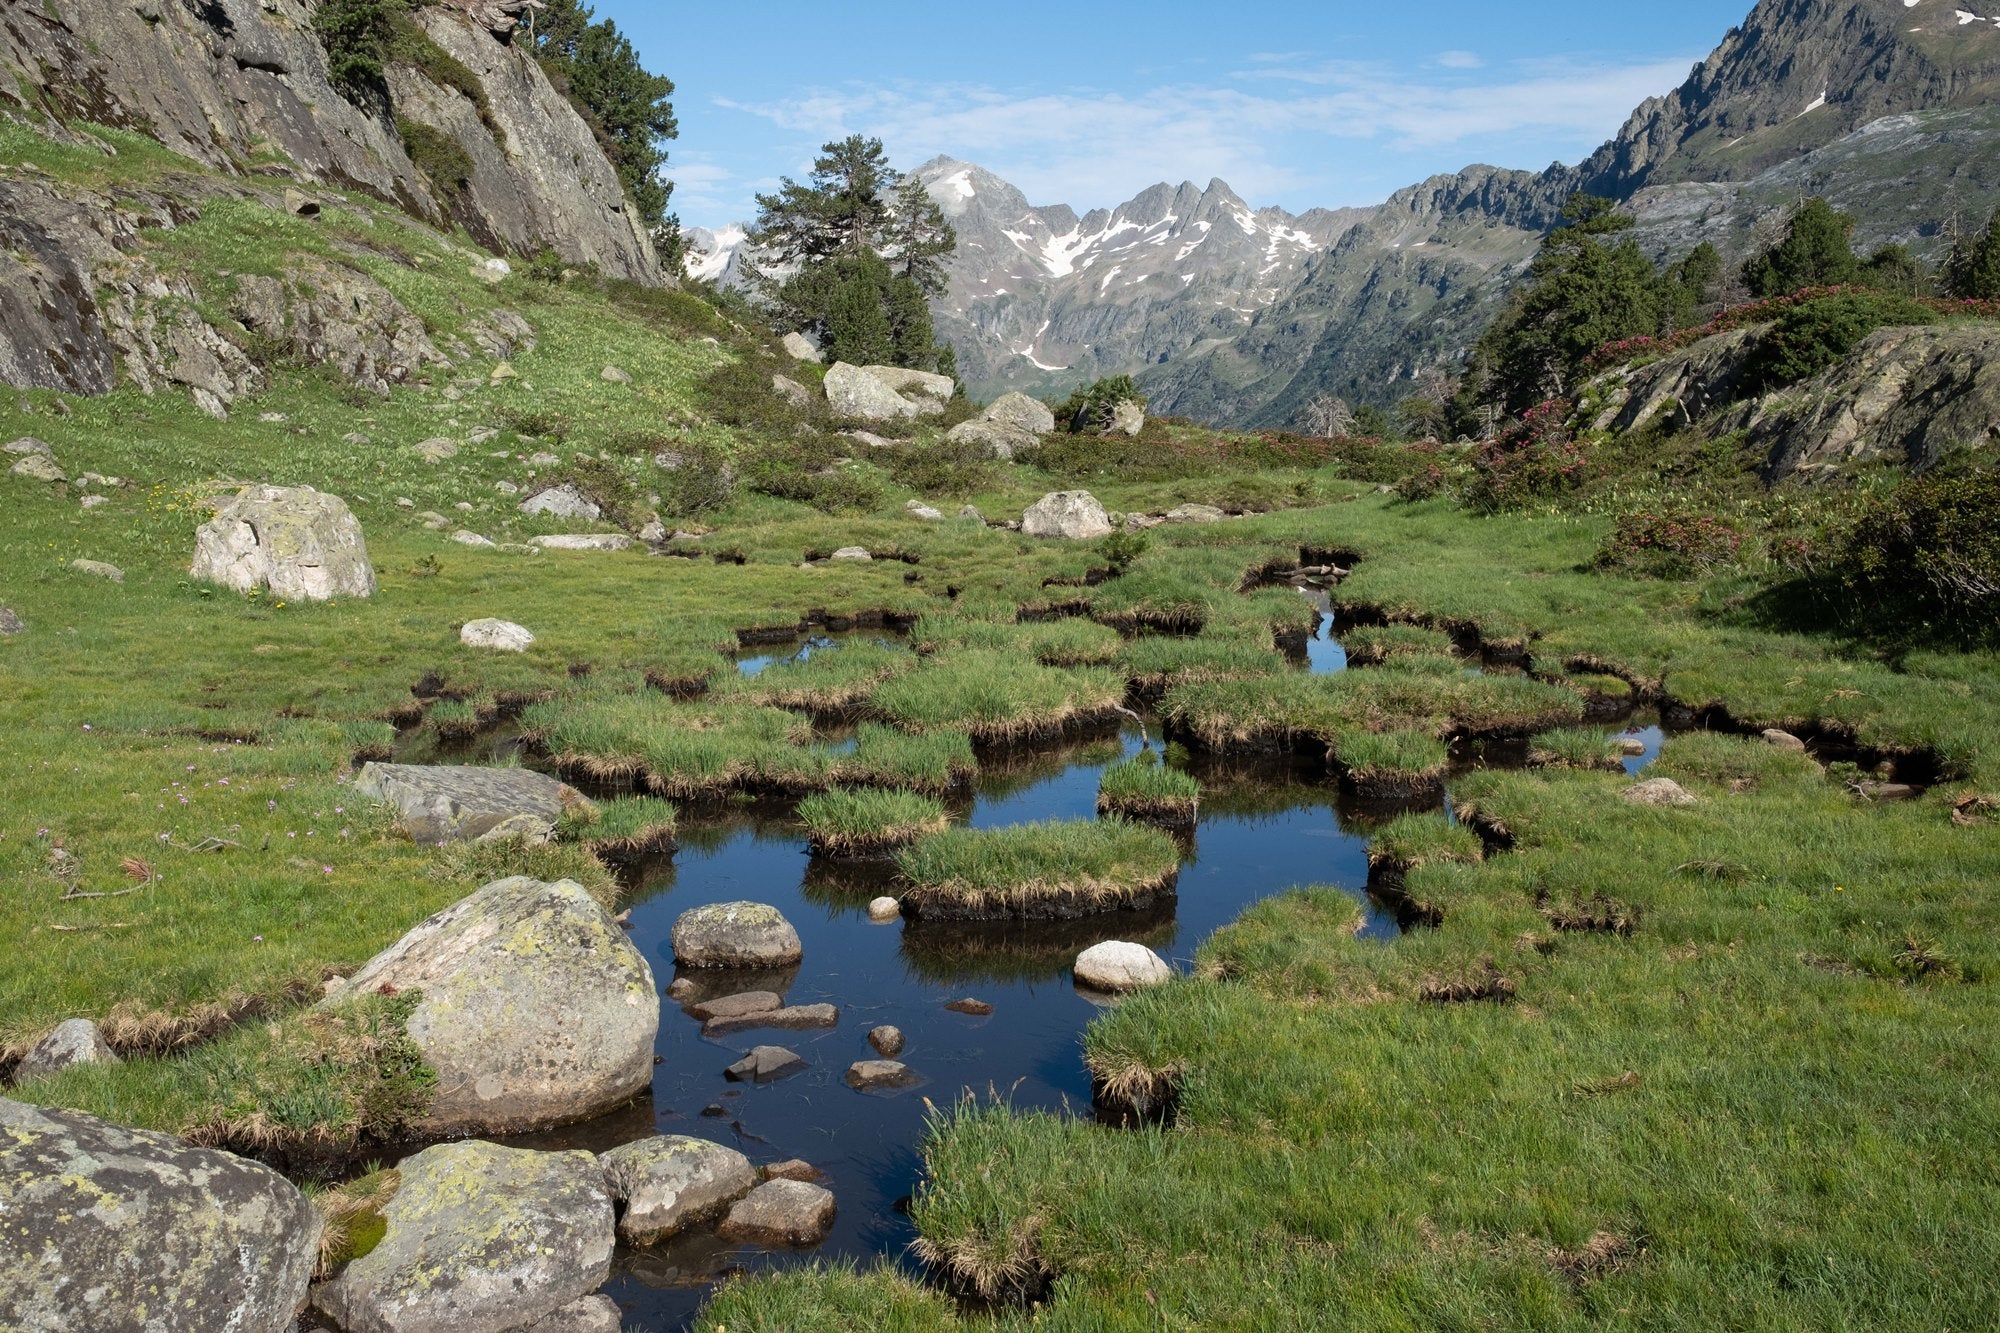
(936, 762)
(868, 822)
(1386, 763)
(1574, 747)
(1033, 871)
(995, 697)
(1372, 645)
(1154, 663)
(625, 827)
(829, 682)
(1056, 643)
(1147, 791)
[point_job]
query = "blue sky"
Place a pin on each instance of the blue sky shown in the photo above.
(1293, 104)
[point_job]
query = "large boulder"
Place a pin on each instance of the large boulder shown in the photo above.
(1022, 413)
(75, 1042)
(562, 502)
(301, 544)
(670, 1182)
(801, 348)
(479, 1239)
(919, 385)
(1074, 515)
(437, 804)
(1127, 418)
(853, 392)
(104, 1228)
(534, 1008)
(736, 935)
(997, 438)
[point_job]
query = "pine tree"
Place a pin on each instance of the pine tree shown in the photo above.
(842, 210)
(1817, 251)
(1973, 271)
(856, 320)
(909, 314)
(1585, 289)
(1689, 285)
(919, 238)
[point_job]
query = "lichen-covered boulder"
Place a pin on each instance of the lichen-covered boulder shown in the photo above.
(534, 1008)
(480, 1239)
(39, 467)
(781, 1212)
(1073, 515)
(996, 438)
(113, 1229)
(438, 803)
(670, 1182)
(1022, 413)
(736, 935)
(919, 385)
(301, 544)
(76, 1042)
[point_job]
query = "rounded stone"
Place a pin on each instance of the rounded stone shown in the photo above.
(1118, 966)
(1659, 792)
(500, 635)
(76, 1042)
(884, 910)
(301, 544)
(736, 935)
(669, 1182)
(887, 1041)
(781, 1212)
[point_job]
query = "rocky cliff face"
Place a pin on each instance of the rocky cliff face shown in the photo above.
(241, 86)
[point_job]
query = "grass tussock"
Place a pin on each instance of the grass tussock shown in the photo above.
(854, 822)
(933, 762)
(1053, 643)
(1404, 765)
(1288, 712)
(623, 829)
(997, 698)
(1147, 791)
(1154, 663)
(1372, 645)
(353, 1216)
(1052, 870)
(1574, 747)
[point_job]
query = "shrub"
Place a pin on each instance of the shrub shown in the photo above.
(358, 36)
(1927, 559)
(1538, 460)
(1121, 548)
(446, 165)
(1668, 544)
(1816, 334)
(703, 483)
(939, 467)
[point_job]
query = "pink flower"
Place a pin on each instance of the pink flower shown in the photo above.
(86, 726)
(326, 870)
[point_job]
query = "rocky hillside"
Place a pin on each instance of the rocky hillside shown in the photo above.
(242, 87)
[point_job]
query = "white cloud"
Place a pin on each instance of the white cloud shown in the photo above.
(1460, 60)
(1085, 147)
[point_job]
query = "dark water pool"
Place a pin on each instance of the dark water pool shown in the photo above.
(1266, 827)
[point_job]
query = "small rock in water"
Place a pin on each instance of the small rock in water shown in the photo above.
(681, 989)
(795, 1169)
(1117, 966)
(500, 635)
(714, 1111)
(736, 1006)
(798, 1018)
(1784, 740)
(1658, 791)
(765, 1063)
(884, 910)
(669, 1182)
(976, 1008)
(1630, 746)
(781, 1212)
(879, 1075)
(887, 1041)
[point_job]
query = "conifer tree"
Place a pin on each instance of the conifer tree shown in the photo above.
(1973, 271)
(1817, 251)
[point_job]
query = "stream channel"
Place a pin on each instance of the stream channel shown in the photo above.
(1265, 827)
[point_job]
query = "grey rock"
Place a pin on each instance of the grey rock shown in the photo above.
(300, 544)
(98, 569)
(479, 1239)
(589, 1314)
(1127, 418)
(739, 934)
(736, 1006)
(859, 553)
(880, 1076)
(793, 392)
(1659, 792)
(884, 909)
(972, 512)
(997, 438)
(38, 467)
(1195, 514)
(671, 1182)
(1784, 740)
(869, 438)
(1117, 966)
(436, 803)
(1072, 515)
(27, 444)
(535, 1009)
(437, 450)
(781, 1212)
(613, 375)
(354, 437)
(500, 635)
(930, 392)
(465, 537)
(794, 1169)
(801, 348)
(10, 623)
(562, 502)
(853, 392)
(506, 488)
(94, 501)
(539, 460)
(75, 1042)
(918, 509)
(887, 1041)
(335, 315)
(1027, 415)
(589, 541)
(797, 1018)
(764, 1064)
(113, 1228)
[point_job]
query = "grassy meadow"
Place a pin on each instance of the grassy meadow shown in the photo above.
(1727, 1065)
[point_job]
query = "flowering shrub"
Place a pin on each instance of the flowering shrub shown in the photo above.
(1669, 544)
(1627, 350)
(1537, 460)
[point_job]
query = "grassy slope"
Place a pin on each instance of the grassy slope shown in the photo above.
(1803, 1143)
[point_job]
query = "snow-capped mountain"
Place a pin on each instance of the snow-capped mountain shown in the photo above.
(717, 256)
(1041, 298)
